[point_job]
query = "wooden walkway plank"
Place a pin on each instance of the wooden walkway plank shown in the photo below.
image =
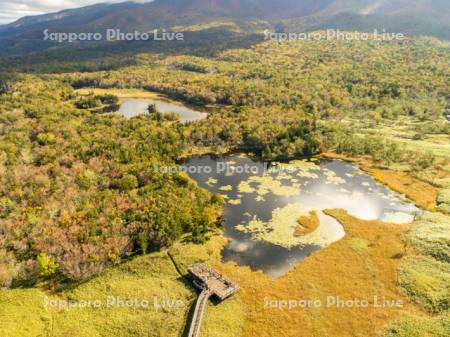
(211, 283)
(197, 318)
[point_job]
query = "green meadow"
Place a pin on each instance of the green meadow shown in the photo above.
(122, 292)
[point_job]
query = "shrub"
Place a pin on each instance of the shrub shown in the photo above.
(46, 138)
(431, 236)
(444, 208)
(198, 235)
(414, 326)
(108, 99)
(425, 280)
(86, 179)
(444, 196)
(88, 103)
(217, 198)
(151, 109)
(142, 239)
(443, 183)
(423, 161)
(47, 267)
(126, 183)
(8, 268)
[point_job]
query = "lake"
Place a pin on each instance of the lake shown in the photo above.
(265, 200)
(132, 107)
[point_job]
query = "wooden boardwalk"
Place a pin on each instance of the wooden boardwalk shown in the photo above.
(211, 283)
(200, 306)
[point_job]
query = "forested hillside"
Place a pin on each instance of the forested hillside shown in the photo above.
(80, 190)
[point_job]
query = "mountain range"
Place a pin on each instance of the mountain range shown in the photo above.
(419, 17)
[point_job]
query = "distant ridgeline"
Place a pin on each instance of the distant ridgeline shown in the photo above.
(219, 22)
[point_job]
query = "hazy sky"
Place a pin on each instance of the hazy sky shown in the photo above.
(11, 10)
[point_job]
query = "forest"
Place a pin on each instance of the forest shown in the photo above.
(79, 190)
(274, 86)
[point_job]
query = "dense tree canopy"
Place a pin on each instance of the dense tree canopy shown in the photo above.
(84, 189)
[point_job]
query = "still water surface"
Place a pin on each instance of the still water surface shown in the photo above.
(263, 201)
(132, 107)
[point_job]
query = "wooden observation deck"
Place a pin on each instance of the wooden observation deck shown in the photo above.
(211, 283)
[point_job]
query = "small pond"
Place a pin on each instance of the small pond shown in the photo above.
(264, 202)
(132, 107)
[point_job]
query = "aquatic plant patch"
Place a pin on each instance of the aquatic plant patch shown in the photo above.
(281, 229)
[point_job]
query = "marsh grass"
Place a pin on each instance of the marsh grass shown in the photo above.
(443, 199)
(443, 182)
(22, 313)
(152, 277)
(425, 280)
(369, 245)
(416, 326)
(430, 235)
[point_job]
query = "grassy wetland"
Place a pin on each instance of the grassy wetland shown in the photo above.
(377, 252)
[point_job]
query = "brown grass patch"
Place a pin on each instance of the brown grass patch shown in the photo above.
(307, 224)
(422, 193)
(362, 265)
